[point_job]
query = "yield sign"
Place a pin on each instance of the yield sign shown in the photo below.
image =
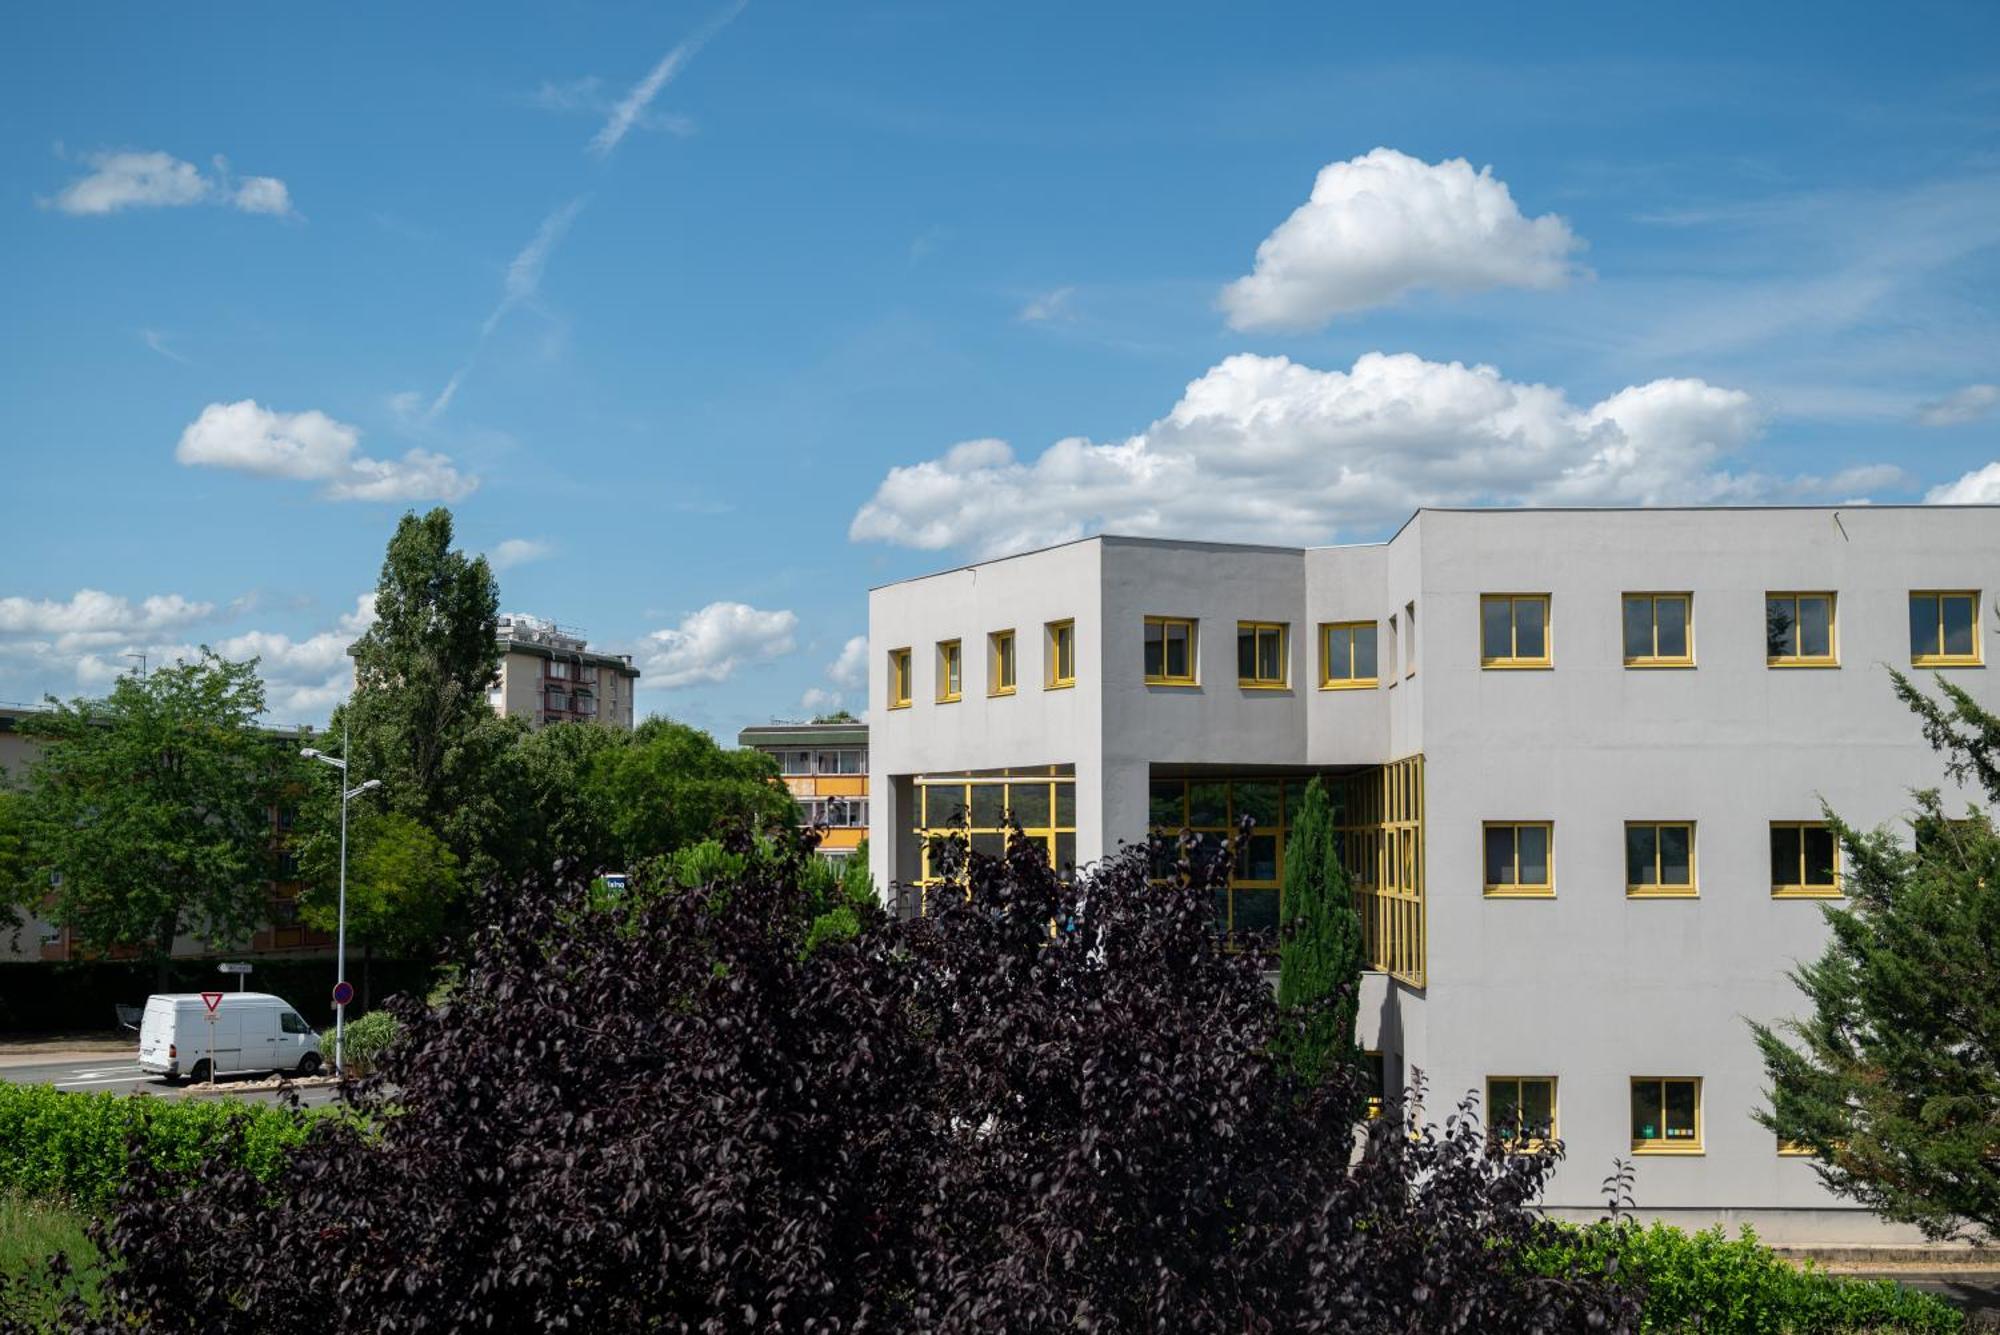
(211, 1000)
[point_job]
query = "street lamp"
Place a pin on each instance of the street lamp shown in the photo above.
(340, 947)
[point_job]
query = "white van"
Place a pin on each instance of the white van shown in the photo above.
(253, 1031)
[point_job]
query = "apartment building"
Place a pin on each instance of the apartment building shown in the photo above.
(1579, 758)
(825, 765)
(549, 674)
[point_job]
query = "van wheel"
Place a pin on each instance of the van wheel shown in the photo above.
(199, 1072)
(309, 1065)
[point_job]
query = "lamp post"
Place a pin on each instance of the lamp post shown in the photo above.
(340, 946)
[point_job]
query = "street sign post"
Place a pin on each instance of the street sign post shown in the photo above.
(211, 1000)
(242, 972)
(343, 992)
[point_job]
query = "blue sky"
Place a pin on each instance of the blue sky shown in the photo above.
(715, 315)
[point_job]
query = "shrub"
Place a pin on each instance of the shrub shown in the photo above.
(1719, 1285)
(364, 1041)
(74, 1147)
(671, 1115)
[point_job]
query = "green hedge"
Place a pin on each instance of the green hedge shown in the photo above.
(67, 997)
(1718, 1285)
(72, 1147)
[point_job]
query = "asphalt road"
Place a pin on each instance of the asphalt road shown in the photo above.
(121, 1075)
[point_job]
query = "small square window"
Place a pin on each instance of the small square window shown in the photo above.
(1170, 651)
(1799, 630)
(1262, 654)
(1659, 629)
(1514, 630)
(1518, 858)
(1805, 860)
(1347, 656)
(1944, 629)
(1521, 1110)
(899, 679)
(1666, 1115)
(1659, 858)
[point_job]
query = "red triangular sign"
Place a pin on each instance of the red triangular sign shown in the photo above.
(211, 1000)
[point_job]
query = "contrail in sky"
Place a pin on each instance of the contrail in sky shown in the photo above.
(643, 92)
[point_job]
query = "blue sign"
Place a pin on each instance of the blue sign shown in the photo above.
(343, 993)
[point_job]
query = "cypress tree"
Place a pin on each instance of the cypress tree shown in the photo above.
(1320, 956)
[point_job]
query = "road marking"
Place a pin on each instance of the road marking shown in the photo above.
(108, 1080)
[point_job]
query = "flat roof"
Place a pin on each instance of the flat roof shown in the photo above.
(1126, 539)
(853, 733)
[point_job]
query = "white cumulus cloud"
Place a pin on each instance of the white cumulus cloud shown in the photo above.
(518, 552)
(1960, 406)
(1979, 487)
(312, 447)
(1263, 449)
(819, 701)
(851, 668)
(1384, 224)
(133, 180)
(712, 644)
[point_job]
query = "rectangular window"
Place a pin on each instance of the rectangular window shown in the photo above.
(1518, 858)
(1514, 630)
(1373, 1084)
(1659, 630)
(1521, 1109)
(1261, 654)
(1347, 655)
(1805, 859)
(1666, 1115)
(1944, 629)
(1059, 655)
(950, 671)
(1000, 663)
(1659, 857)
(899, 679)
(1799, 630)
(1170, 651)
(1410, 638)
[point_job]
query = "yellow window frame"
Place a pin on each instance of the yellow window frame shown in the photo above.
(1791, 1149)
(950, 671)
(1527, 1144)
(1653, 599)
(1831, 658)
(1938, 657)
(1802, 888)
(899, 678)
(1000, 662)
(1258, 630)
(1660, 1144)
(1517, 889)
(1059, 639)
(1351, 682)
(1659, 889)
(1191, 626)
(1514, 658)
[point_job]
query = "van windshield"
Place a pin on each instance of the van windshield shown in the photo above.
(294, 1023)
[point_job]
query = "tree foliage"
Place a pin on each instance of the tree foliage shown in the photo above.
(670, 785)
(1892, 1077)
(153, 807)
(1320, 949)
(674, 1116)
(402, 883)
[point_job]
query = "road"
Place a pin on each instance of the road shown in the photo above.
(121, 1075)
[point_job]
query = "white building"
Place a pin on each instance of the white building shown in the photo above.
(1573, 749)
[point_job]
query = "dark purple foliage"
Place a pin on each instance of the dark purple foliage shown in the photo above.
(677, 1118)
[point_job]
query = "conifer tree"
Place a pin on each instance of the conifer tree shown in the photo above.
(1320, 948)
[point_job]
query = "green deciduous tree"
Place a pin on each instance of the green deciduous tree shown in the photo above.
(403, 883)
(153, 804)
(557, 816)
(1892, 1078)
(420, 718)
(1319, 952)
(670, 786)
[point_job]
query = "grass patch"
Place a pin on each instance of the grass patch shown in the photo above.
(32, 1232)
